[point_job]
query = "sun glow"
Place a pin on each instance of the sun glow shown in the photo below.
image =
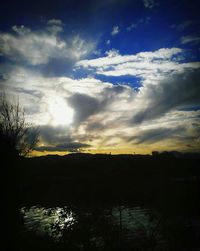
(60, 113)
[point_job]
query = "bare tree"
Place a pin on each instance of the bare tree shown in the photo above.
(17, 136)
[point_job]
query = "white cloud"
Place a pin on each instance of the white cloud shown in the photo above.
(42, 46)
(55, 22)
(172, 93)
(182, 26)
(151, 66)
(55, 26)
(112, 53)
(141, 21)
(108, 42)
(164, 53)
(21, 30)
(148, 70)
(132, 26)
(149, 4)
(115, 30)
(190, 39)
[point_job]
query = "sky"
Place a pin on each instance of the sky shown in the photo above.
(104, 76)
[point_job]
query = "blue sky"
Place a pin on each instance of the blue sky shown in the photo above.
(127, 71)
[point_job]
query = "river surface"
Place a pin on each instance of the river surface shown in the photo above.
(108, 228)
(96, 228)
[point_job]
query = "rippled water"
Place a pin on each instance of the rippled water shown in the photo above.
(43, 220)
(97, 226)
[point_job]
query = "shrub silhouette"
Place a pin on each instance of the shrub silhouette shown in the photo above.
(17, 136)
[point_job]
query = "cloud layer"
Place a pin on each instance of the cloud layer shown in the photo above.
(161, 111)
(108, 116)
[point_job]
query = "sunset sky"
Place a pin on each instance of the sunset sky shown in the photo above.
(101, 76)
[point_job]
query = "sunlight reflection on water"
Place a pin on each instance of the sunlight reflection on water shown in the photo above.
(47, 221)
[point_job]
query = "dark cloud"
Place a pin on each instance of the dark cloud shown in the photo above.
(54, 134)
(84, 106)
(35, 93)
(188, 134)
(174, 92)
(112, 93)
(67, 147)
(155, 135)
(115, 89)
(73, 146)
(58, 67)
(59, 138)
(96, 126)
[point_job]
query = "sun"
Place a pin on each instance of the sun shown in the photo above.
(59, 111)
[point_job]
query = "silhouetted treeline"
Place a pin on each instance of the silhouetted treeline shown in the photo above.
(115, 178)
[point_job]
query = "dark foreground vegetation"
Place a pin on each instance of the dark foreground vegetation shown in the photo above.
(92, 188)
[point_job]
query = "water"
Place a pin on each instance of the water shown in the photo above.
(98, 228)
(43, 221)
